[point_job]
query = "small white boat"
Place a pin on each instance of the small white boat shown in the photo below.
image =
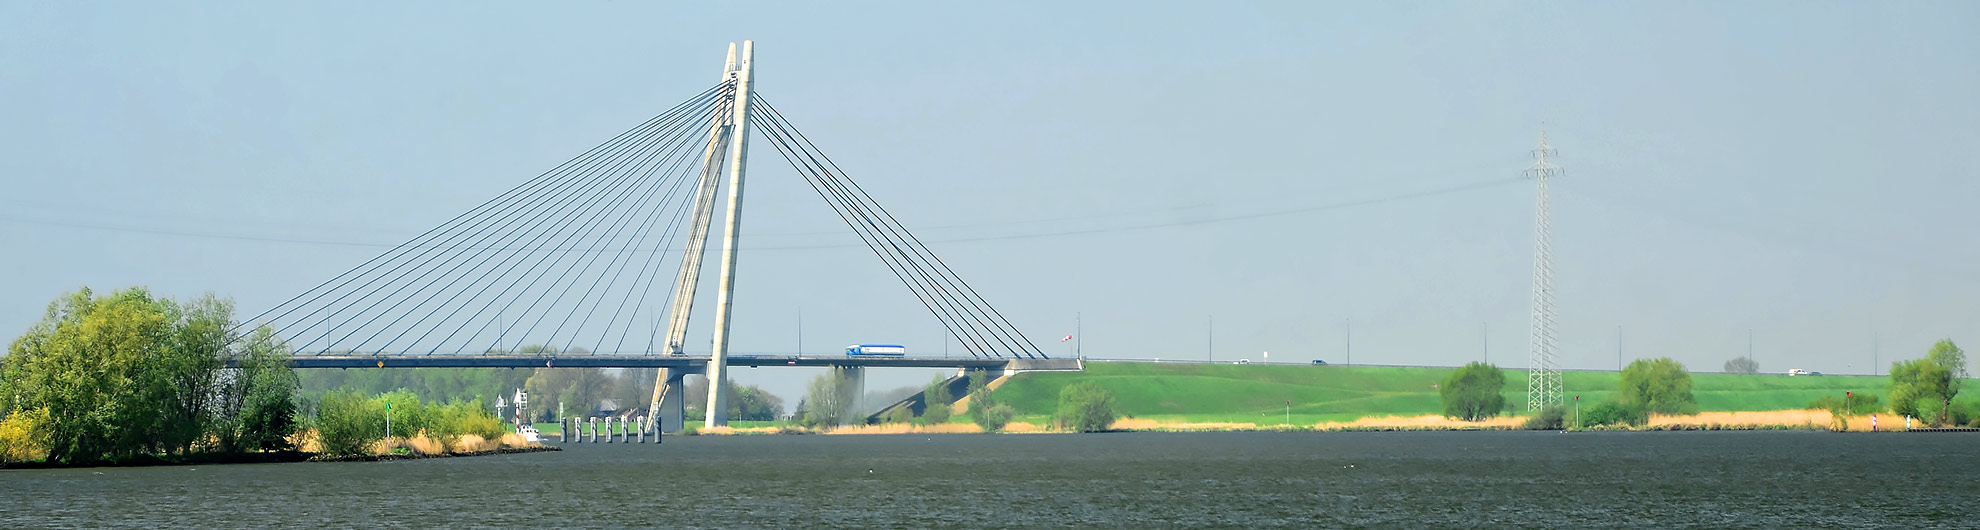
(529, 433)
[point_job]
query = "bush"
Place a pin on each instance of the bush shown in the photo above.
(995, 418)
(24, 436)
(899, 415)
(1085, 407)
(1659, 385)
(1472, 393)
(347, 423)
(935, 403)
(1550, 418)
(1612, 412)
(451, 421)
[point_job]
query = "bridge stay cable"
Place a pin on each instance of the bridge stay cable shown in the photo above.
(590, 194)
(914, 241)
(672, 151)
(496, 220)
(289, 306)
(967, 329)
(502, 229)
(965, 334)
(906, 248)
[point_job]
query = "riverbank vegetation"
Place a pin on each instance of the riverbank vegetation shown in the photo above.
(350, 424)
(127, 376)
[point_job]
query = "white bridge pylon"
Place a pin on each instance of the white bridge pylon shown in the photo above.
(728, 137)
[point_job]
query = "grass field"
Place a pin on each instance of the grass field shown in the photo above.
(1258, 393)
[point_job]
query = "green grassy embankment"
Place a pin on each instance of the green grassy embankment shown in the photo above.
(1226, 393)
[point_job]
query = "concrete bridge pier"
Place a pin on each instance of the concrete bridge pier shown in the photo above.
(592, 434)
(640, 426)
(610, 433)
(855, 389)
(669, 411)
(562, 433)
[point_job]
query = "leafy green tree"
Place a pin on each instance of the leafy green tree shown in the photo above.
(1471, 393)
(983, 406)
(128, 374)
(1660, 386)
(1085, 407)
(348, 424)
(1742, 365)
(257, 406)
(1924, 388)
(88, 361)
(935, 402)
(995, 418)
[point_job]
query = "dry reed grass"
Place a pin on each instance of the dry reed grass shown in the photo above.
(1427, 421)
(1019, 426)
(906, 428)
(1141, 424)
(475, 443)
(1747, 419)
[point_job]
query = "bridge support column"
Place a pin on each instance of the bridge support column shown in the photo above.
(563, 434)
(668, 413)
(593, 430)
(854, 391)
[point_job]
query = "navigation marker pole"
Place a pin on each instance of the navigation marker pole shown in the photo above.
(1543, 378)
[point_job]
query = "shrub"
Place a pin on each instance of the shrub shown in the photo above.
(935, 403)
(1657, 385)
(347, 423)
(994, 418)
(1612, 412)
(899, 415)
(1549, 418)
(24, 436)
(1085, 407)
(1472, 393)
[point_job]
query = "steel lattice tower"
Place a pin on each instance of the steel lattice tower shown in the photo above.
(1543, 380)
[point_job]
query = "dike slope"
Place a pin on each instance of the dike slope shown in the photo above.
(1256, 393)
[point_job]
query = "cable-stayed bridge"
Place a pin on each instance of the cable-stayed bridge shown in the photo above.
(579, 266)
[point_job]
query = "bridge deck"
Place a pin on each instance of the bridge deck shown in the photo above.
(630, 361)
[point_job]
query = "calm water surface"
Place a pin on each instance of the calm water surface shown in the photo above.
(1306, 480)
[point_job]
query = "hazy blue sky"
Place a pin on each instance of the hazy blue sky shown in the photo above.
(1805, 170)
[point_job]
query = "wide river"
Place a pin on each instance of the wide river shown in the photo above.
(1304, 480)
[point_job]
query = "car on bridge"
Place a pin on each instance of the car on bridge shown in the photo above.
(1318, 362)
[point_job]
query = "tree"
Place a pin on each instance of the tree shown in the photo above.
(830, 400)
(935, 402)
(89, 361)
(995, 418)
(1085, 407)
(983, 406)
(1924, 388)
(1660, 386)
(1472, 392)
(257, 407)
(1742, 365)
(129, 374)
(347, 423)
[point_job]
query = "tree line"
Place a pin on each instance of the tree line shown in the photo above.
(1923, 388)
(106, 378)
